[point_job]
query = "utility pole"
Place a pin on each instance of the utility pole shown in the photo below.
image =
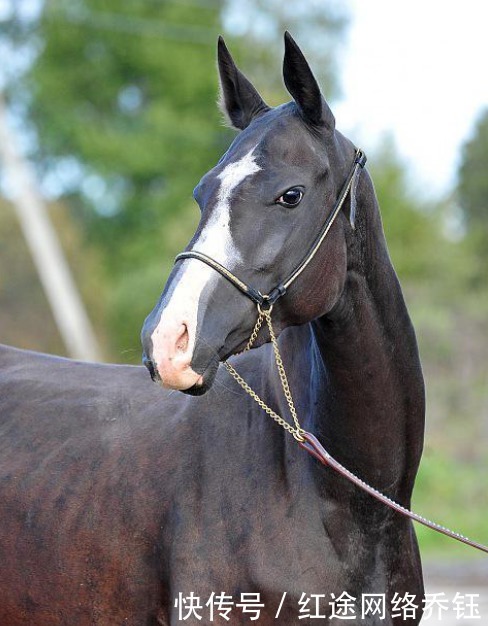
(60, 289)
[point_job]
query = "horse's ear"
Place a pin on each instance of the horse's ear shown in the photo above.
(239, 100)
(303, 87)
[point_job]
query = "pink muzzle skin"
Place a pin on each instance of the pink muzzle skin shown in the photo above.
(172, 352)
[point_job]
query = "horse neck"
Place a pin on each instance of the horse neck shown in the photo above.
(366, 385)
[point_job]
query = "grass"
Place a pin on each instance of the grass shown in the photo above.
(452, 492)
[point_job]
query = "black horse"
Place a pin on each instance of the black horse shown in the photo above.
(123, 503)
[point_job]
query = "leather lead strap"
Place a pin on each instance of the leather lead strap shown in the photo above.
(313, 446)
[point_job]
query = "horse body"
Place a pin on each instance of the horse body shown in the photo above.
(120, 495)
(117, 496)
(79, 512)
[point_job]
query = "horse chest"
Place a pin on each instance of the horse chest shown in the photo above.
(264, 536)
(281, 547)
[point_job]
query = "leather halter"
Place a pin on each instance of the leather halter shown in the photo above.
(267, 300)
(264, 303)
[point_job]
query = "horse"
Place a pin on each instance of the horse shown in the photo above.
(128, 502)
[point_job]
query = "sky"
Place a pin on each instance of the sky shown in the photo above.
(419, 71)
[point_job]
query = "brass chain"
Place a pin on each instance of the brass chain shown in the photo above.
(255, 332)
(296, 430)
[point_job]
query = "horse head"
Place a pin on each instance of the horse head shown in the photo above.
(261, 206)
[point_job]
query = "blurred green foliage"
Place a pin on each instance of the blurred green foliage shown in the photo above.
(449, 491)
(411, 222)
(126, 122)
(473, 192)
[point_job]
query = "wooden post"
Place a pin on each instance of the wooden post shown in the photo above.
(60, 289)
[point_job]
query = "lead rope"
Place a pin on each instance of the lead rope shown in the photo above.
(312, 445)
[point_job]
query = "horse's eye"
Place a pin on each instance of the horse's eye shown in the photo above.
(291, 198)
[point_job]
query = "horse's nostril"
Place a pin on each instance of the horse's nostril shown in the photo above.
(152, 370)
(182, 340)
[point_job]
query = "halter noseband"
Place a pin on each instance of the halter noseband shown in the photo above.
(265, 301)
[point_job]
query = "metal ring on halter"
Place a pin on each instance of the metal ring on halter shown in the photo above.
(267, 309)
(297, 434)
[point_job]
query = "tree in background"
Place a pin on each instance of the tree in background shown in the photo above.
(123, 105)
(413, 225)
(473, 192)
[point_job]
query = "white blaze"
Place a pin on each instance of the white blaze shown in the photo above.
(215, 240)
